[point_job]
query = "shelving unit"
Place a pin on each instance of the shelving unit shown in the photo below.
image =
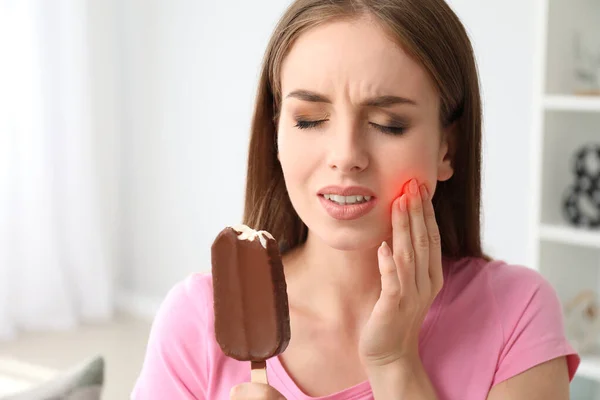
(569, 235)
(568, 256)
(572, 103)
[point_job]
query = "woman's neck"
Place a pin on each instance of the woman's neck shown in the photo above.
(337, 286)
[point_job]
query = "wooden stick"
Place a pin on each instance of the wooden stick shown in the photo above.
(258, 374)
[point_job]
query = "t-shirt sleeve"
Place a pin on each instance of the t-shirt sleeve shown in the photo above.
(533, 325)
(175, 364)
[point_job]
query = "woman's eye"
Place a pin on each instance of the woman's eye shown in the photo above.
(309, 124)
(390, 130)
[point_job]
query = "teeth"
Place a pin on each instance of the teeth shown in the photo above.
(347, 199)
(338, 199)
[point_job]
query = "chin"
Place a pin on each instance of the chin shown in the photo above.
(355, 237)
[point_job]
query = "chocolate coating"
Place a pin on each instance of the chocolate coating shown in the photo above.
(251, 309)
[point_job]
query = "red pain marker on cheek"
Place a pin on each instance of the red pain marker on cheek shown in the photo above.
(402, 190)
(405, 187)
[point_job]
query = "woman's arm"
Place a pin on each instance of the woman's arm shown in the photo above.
(401, 380)
(547, 381)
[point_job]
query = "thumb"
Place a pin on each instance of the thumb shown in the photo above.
(255, 391)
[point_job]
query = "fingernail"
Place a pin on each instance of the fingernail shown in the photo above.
(424, 192)
(413, 188)
(385, 249)
(402, 203)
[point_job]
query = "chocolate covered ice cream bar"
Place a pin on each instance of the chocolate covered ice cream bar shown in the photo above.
(250, 300)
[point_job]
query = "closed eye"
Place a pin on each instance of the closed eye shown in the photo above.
(390, 130)
(309, 124)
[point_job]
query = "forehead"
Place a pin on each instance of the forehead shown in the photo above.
(356, 55)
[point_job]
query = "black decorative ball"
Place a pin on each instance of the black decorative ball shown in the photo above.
(580, 208)
(587, 165)
(594, 193)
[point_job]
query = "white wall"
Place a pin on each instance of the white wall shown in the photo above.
(189, 75)
(503, 35)
(190, 71)
(104, 105)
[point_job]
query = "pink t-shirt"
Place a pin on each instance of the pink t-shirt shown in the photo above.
(490, 322)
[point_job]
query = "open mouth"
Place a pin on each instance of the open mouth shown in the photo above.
(347, 200)
(347, 208)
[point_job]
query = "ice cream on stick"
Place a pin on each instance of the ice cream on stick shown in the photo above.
(252, 320)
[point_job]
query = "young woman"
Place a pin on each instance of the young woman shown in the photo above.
(364, 163)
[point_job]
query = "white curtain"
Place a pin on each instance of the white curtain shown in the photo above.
(54, 270)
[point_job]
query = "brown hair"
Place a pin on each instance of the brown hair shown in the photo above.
(431, 33)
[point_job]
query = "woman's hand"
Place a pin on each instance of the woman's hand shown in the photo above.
(411, 277)
(254, 391)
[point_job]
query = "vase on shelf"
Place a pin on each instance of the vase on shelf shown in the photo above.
(586, 66)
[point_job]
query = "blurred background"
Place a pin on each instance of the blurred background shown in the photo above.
(124, 127)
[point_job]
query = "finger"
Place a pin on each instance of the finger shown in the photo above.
(390, 282)
(403, 255)
(420, 238)
(435, 242)
(254, 391)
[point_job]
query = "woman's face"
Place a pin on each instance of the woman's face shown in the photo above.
(356, 111)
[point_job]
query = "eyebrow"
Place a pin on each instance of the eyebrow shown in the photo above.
(380, 101)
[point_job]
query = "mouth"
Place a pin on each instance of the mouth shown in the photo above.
(346, 208)
(347, 200)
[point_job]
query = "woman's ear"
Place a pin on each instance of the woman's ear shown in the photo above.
(447, 152)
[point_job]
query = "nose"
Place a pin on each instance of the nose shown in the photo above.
(347, 152)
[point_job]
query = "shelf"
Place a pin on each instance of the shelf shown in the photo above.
(572, 103)
(589, 368)
(570, 235)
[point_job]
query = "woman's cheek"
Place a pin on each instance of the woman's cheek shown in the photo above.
(290, 150)
(398, 182)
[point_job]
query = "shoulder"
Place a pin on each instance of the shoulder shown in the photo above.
(180, 345)
(193, 294)
(517, 285)
(186, 309)
(197, 286)
(512, 274)
(507, 292)
(497, 278)
(511, 294)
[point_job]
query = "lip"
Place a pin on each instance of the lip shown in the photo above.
(346, 191)
(347, 212)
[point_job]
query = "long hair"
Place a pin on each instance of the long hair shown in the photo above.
(434, 36)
